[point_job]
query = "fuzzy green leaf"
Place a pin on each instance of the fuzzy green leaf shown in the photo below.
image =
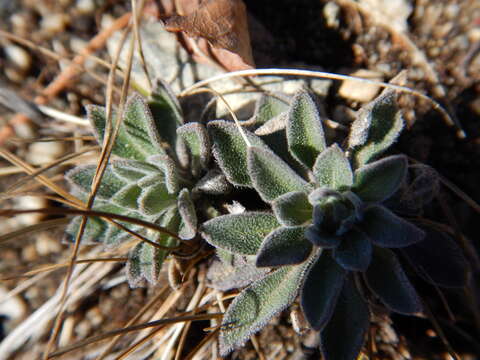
(284, 246)
(379, 180)
(271, 176)
(166, 112)
(332, 169)
(132, 170)
(239, 233)
(155, 198)
(127, 197)
(386, 229)
(140, 127)
(306, 139)
(375, 129)
(195, 137)
(81, 178)
(213, 183)
(293, 208)
(94, 232)
(145, 261)
(354, 252)
(230, 150)
(386, 278)
(343, 336)
(267, 108)
(186, 208)
(256, 305)
(169, 169)
(122, 147)
(320, 291)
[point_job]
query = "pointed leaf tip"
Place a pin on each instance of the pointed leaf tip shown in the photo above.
(332, 169)
(284, 246)
(271, 176)
(304, 130)
(379, 180)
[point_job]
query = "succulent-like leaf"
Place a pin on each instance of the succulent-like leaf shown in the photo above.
(256, 305)
(155, 198)
(354, 251)
(239, 233)
(386, 278)
(195, 137)
(81, 178)
(379, 180)
(236, 273)
(438, 259)
(317, 237)
(94, 232)
(213, 183)
(320, 291)
(169, 169)
(293, 208)
(230, 150)
(332, 169)
(284, 246)
(140, 126)
(127, 197)
(386, 229)
(122, 147)
(145, 261)
(375, 129)
(268, 108)
(132, 170)
(188, 227)
(343, 336)
(271, 176)
(304, 130)
(166, 112)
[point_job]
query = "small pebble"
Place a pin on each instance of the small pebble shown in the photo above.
(29, 202)
(85, 6)
(19, 57)
(54, 23)
(45, 152)
(358, 91)
(46, 244)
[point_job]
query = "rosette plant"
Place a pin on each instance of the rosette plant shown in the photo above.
(158, 174)
(327, 233)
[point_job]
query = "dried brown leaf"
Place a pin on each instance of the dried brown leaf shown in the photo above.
(223, 23)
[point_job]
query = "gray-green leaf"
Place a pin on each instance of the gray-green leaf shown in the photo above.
(320, 291)
(239, 233)
(375, 129)
(188, 227)
(379, 180)
(271, 176)
(293, 208)
(155, 198)
(195, 137)
(230, 150)
(304, 130)
(386, 229)
(343, 336)
(386, 278)
(332, 169)
(354, 252)
(284, 246)
(257, 304)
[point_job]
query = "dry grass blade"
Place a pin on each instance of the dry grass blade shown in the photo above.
(132, 321)
(52, 267)
(324, 75)
(18, 141)
(49, 224)
(50, 166)
(125, 330)
(45, 181)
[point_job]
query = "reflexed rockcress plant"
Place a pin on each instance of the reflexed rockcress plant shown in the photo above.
(326, 232)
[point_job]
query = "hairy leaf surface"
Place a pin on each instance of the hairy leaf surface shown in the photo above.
(354, 252)
(379, 180)
(239, 233)
(332, 169)
(293, 208)
(271, 176)
(284, 246)
(304, 130)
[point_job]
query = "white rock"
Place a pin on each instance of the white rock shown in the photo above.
(19, 56)
(85, 6)
(359, 91)
(45, 152)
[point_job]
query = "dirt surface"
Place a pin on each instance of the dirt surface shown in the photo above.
(437, 42)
